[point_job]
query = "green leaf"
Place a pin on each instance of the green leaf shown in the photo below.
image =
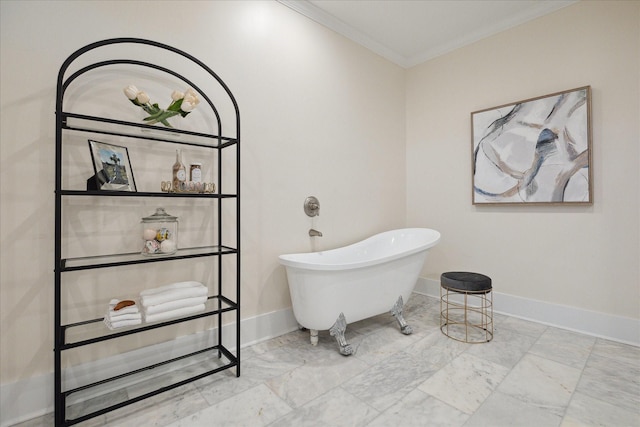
(175, 105)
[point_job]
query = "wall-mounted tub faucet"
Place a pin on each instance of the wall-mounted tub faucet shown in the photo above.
(311, 206)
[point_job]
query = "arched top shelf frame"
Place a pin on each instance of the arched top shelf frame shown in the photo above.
(64, 82)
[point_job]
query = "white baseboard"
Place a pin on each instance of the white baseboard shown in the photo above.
(33, 397)
(601, 325)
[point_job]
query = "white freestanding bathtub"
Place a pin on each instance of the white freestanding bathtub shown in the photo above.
(355, 282)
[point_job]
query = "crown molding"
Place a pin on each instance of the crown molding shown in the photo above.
(321, 17)
(318, 15)
(541, 8)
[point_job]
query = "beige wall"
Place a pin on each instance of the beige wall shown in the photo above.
(320, 116)
(585, 257)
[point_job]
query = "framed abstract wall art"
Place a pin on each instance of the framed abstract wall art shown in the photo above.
(536, 151)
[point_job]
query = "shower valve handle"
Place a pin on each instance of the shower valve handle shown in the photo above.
(311, 206)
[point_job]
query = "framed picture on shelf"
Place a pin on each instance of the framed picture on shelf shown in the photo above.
(112, 167)
(536, 151)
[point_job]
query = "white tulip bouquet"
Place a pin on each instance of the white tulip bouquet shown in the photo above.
(182, 104)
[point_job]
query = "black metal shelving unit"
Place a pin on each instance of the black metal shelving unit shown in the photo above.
(217, 303)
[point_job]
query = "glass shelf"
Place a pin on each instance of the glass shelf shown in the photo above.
(101, 261)
(105, 126)
(131, 387)
(94, 330)
(102, 193)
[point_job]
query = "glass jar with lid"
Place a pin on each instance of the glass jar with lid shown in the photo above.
(159, 234)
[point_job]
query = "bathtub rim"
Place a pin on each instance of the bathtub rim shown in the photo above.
(293, 260)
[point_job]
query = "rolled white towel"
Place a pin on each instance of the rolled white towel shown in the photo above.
(173, 305)
(172, 295)
(180, 312)
(122, 323)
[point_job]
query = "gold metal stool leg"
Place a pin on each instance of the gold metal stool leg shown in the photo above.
(451, 326)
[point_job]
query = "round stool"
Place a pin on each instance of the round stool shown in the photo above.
(466, 307)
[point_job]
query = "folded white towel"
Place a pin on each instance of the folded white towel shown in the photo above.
(172, 295)
(166, 315)
(173, 305)
(177, 285)
(121, 317)
(122, 323)
(131, 309)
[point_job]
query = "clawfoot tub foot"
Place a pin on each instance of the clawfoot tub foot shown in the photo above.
(337, 330)
(396, 312)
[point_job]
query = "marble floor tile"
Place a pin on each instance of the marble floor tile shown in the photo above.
(255, 371)
(388, 381)
(335, 408)
(305, 383)
(524, 327)
(563, 346)
(506, 348)
(224, 385)
(255, 407)
(585, 410)
(420, 301)
(541, 382)
(270, 344)
(436, 350)
(418, 409)
(613, 381)
(373, 324)
(617, 351)
(499, 318)
(278, 361)
(502, 410)
(421, 304)
(424, 315)
(382, 344)
(465, 382)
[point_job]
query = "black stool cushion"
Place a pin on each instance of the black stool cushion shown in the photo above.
(464, 281)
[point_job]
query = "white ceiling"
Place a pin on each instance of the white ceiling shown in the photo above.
(409, 32)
